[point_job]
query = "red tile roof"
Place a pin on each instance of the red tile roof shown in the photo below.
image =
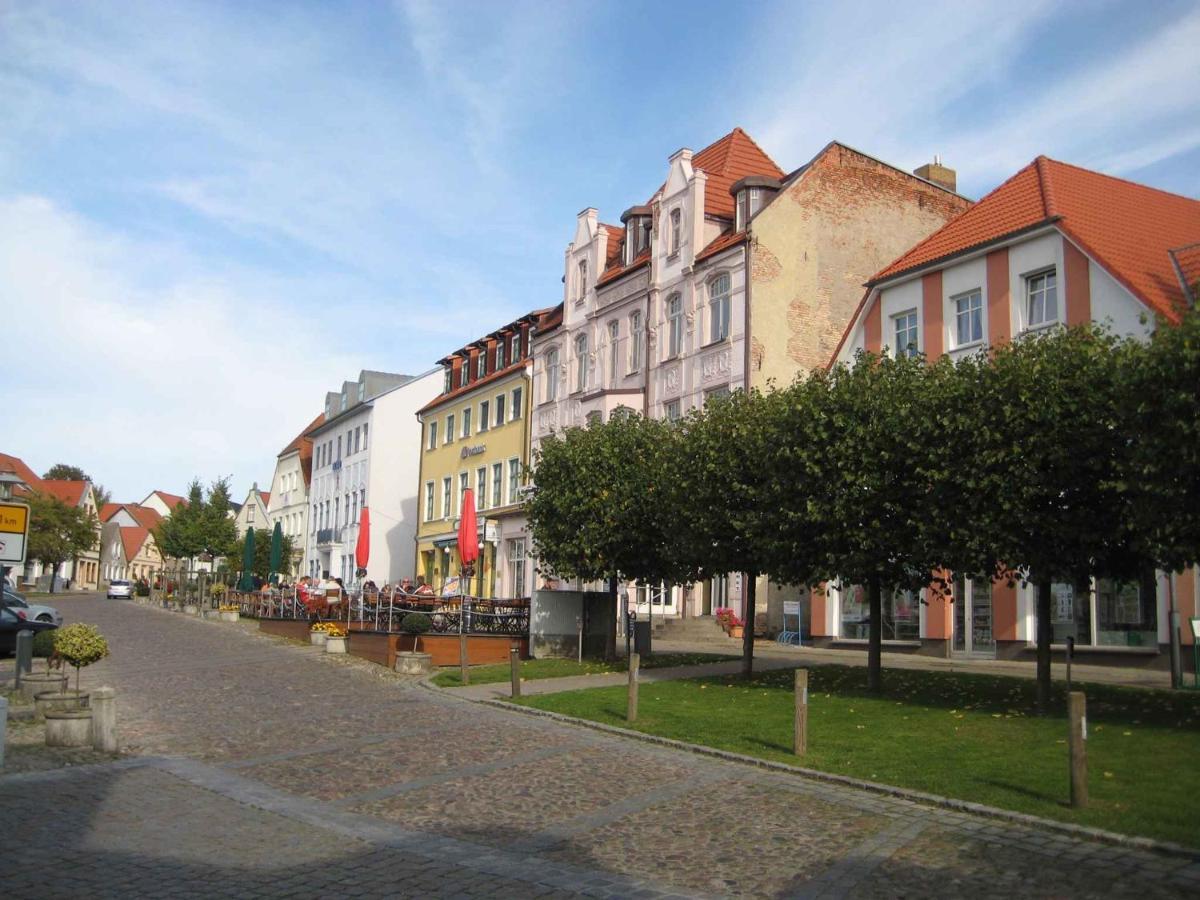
(727, 160)
(266, 498)
(615, 272)
(132, 539)
(300, 440)
(722, 242)
(1187, 262)
(551, 320)
(616, 236)
(172, 500)
(1125, 227)
(143, 515)
(17, 466)
(69, 492)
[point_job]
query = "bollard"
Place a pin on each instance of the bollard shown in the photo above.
(1077, 745)
(800, 730)
(24, 654)
(463, 668)
(3, 727)
(631, 708)
(103, 704)
(514, 658)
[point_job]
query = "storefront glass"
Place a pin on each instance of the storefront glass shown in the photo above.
(1126, 614)
(901, 614)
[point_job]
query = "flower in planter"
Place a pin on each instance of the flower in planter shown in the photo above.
(80, 645)
(335, 631)
(228, 607)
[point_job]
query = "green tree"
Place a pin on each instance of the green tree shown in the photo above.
(65, 472)
(599, 505)
(218, 528)
(722, 484)
(181, 534)
(262, 553)
(58, 532)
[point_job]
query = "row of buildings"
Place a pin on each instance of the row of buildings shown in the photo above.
(737, 273)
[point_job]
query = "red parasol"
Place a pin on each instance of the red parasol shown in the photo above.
(362, 550)
(468, 537)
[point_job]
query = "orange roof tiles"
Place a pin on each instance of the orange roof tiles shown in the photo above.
(616, 271)
(69, 492)
(1125, 227)
(722, 242)
(132, 539)
(172, 500)
(726, 161)
(145, 516)
(17, 466)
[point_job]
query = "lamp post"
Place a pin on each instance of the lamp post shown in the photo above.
(625, 619)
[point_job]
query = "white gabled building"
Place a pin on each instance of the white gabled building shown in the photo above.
(288, 503)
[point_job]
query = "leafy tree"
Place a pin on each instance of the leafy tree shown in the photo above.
(58, 532)
(723, 484)
(1053, 429)
(262, 553)
(103, 494)
(600, 508)
(219, 530)
(65, 472)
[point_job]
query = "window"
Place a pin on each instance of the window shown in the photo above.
(1041, 292)
(344, 399)
(1070, 614)
(449, 429)
(718, 308)
(1127, 613)
(517, 410)
(581, 361)
(595, 417)
(362, 392)
(433, 428)
(464, 482)
(480, 364)
(717, 392)
(635, 342)
(900, 619)
(501, 399)
(449, 383)
(365, 426)
(581, 283)
(464, 372)
(614, 331)
(514, 480)
(906, 333)
(552, 375)
(673, 411)
(968, 318)
(676, 231)
(497, 484)
(499, 354)
(249, 512)
(484, 420)
(516, 565)
(516, 347)
(357, 439)
(447, 496)
(337, 512)
(481, 492)
(466, 417)
(674, 326)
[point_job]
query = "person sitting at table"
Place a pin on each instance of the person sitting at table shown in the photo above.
(406, 585)
(424, 588)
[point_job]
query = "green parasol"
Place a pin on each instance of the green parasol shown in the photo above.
(247, 583)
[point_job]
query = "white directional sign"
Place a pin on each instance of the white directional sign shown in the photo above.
(14, 532)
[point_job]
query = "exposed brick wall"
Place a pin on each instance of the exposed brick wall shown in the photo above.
(815, 245)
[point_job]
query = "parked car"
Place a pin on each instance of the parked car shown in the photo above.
(34, 611)
(14, 619)
(120, 588)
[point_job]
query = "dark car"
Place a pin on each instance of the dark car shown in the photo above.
(12, 620)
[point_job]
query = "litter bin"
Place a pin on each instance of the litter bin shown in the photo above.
(641, 638)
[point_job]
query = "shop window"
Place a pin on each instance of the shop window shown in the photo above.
(1127, 613)
(900, 620)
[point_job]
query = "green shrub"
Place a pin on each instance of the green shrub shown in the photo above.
(43, 644)
(217, 590)
(80, 645)
(416, 623)
(142, 589)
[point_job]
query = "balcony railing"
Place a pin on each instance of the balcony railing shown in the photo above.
(326, 535)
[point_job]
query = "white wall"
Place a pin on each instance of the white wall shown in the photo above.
(1114, 305)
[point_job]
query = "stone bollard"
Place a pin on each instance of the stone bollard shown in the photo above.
(3, 727)
(464, 665)
(514, 661)
(104, 719)
(24, 654)
(635, 662)
(800, 726)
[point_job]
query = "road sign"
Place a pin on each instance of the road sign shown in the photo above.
(14, 532)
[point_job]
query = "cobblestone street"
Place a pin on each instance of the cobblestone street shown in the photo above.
(256, 767)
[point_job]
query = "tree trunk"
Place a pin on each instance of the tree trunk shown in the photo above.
(1043, 644)
(875, 637)
(748, 627)
(53, 575)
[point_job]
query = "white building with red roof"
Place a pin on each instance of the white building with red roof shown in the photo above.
(1053, 245)
(287, 502)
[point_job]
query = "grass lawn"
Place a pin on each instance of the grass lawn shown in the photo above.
(973, 737)
(562, 668)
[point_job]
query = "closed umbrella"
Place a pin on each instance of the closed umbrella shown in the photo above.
(468, 537)
(248, 561)
(362, 549)
(276, 551)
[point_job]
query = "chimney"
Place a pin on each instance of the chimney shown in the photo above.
(938, 174)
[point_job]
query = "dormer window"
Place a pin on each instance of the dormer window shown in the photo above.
(343, 400)
(516, 347)
(449, 384)
(500, 355)
(464, 372)
(637, 231)
(480, 364)
(362, 391)
(676, 230)
(582, 281)
(751, 194)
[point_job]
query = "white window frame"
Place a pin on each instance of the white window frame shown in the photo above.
(514, 479)
(1044, 275)
(518, 397)
(673, 410)
(449, 384)
(449, 438)
(635, 341)
(581, 276)
(914, 326)
(500, 409)
(481, 485)
(581, 355)
(484, 415)
(466, 422)
(464, 482)
(719, 304)
(497, 484)
(447, 496)
(431, 442)
(674, 316)
(552, 374)
(676, 220)
(516, 347)
(614, 347)
(464, 372)
(972, 298)
(481, 364)
(500, 363)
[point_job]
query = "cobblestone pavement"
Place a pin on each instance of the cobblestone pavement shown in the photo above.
(257, 767)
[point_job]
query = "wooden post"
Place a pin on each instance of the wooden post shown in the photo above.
(463, 668)
(800, 736)
(1077, 744)
(631, 708)
(104, 719)
(24, 653)
(514, 659)
(3, 727)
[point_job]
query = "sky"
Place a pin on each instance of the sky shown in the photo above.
(213, 213)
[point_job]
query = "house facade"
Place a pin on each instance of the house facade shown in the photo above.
(366, 453)
(162, 503)
(288, 503)
(734, 273)
(253, 512)
(128, 552)
(1054, 245)
(476, 434)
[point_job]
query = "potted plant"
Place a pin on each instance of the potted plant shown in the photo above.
(229, 612)
(54, 679)
(411, 662)
(68, 721)
(318, 633)
(335, 638)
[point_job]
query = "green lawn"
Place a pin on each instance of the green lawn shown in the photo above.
(562, 668)
(972, 737)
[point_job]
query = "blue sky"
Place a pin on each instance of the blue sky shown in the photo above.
(212, 213)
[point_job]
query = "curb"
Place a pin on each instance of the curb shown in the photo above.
(1083, 832)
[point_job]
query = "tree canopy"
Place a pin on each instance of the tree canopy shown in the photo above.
(58, 532)
(200, 526)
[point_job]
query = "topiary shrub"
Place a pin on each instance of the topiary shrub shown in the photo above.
(416, 624)
(142, 589)
(43, 648)
(80, 645)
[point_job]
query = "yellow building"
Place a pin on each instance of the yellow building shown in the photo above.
(476, 434)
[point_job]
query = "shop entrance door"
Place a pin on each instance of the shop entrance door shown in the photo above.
(973, 618)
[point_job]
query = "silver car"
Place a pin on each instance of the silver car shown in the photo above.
(120, 588)
(33, 611)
